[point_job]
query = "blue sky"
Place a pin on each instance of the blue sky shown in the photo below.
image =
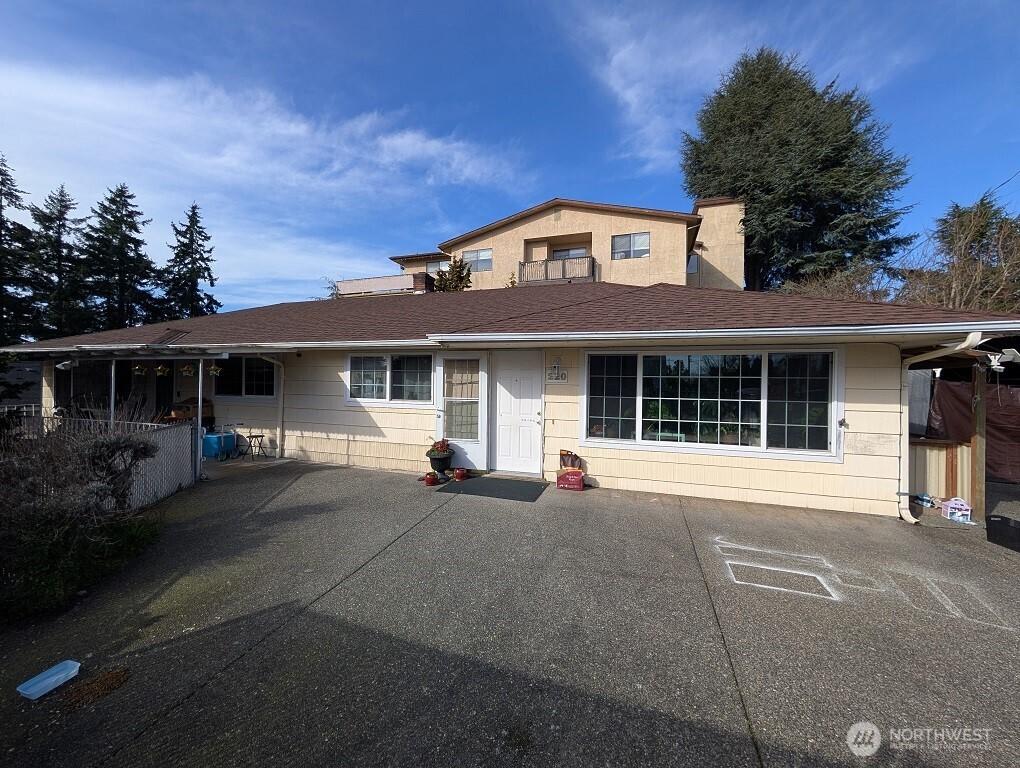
(320, 138)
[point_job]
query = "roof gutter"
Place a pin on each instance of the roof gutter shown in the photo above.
(219, 350)
(784, 331)
(973, 340)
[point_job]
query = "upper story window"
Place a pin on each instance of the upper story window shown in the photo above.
(432, 267)
(713, 399)
(246, 377)
(570, 253)
(391, 378)
(480, 260)
(634, 246)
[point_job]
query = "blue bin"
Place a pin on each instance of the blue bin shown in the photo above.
(217, 445)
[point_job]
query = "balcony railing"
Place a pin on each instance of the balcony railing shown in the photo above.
(581, 268)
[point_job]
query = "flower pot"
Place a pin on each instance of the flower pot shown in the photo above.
(431, 479)
(459, 474)
(441, 463)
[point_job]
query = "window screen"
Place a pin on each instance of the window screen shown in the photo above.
(479, 261)
(634, 246)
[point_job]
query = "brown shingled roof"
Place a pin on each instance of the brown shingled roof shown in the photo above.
(572, 308)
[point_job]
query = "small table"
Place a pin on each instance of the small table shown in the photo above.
(255, 446)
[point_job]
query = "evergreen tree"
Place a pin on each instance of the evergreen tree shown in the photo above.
(59, 286)
(119, 272)
(190, 265)
(456, 277)
(818, 183)
(15, 240)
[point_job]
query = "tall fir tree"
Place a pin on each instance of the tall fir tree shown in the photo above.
(15, 283)
(120, 274)
(811, 165)
(59, 286)
(190, 266)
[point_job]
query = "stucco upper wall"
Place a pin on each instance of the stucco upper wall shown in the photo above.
(720, 247)
(527, 239)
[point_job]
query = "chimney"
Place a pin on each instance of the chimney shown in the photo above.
(423, 282)
(719, 251)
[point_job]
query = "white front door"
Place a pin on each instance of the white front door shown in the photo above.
(462, 412)
(517, 391)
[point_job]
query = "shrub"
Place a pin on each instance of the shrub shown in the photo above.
(65, 511)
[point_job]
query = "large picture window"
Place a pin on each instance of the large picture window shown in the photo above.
(399, 378)
(713, 399)
(246, 377)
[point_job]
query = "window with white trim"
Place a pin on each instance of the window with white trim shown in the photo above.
(434, 267)
(245, 377)
(634, 246)
(391, 378)
(480, 260)
(713, 400)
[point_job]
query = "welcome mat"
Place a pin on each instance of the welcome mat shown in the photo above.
(497, 488)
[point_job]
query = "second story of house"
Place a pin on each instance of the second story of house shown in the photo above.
(576, 241)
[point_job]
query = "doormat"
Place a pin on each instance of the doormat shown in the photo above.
(497, 488)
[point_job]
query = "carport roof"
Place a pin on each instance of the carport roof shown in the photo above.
(550, 312)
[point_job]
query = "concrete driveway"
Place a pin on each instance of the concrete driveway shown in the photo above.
(294, 614)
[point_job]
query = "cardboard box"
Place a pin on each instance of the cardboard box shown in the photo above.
(570, 479)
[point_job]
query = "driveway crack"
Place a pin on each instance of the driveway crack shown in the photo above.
(726, 647)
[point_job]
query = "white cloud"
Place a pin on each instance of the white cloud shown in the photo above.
(279, 189)
(658, 66)
(660, 61)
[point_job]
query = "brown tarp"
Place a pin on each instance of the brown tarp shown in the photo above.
(952, 418)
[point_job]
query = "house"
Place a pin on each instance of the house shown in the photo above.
(659, 384)
(576, 241)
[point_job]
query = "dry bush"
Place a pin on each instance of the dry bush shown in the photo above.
(65, 516)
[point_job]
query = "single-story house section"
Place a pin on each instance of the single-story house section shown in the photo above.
(666, 388)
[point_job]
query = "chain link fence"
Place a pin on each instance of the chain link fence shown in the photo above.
(171, 469)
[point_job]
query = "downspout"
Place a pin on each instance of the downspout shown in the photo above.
(972, 340)
(279, 404)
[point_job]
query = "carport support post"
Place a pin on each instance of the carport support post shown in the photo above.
(198, 421)
(977, 444)
(113, 390)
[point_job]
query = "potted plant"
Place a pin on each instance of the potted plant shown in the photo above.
(440, 455)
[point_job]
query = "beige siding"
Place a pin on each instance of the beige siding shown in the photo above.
(321, 425)
(866, 480)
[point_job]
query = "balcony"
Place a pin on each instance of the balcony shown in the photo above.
(576, 270)
(407, 282)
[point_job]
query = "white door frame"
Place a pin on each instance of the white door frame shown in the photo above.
(473, 454)
(539, 357)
